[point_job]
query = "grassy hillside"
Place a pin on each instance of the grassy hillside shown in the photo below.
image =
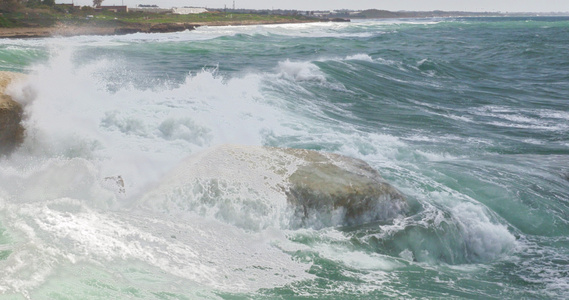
(50, 16)
(5, 23)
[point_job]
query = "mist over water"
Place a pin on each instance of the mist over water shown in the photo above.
(467, 117)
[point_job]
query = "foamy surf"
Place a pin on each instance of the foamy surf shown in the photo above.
(481, 162)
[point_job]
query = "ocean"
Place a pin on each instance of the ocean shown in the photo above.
(467, 117)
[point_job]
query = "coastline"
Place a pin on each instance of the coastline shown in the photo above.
(75, 30)
(39, 32)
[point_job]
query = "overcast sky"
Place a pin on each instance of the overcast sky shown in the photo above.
(460, 5)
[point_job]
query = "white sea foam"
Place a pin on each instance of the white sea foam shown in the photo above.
(431, 156)
(301, 71)
(360, 56)
(537, 126)
(79, 132)
(71, 113)
(65, 231)
(554, 114)
(486, 239)
(316, 30)
(358, 259)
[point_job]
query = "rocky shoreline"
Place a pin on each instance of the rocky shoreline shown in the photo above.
(74, 30)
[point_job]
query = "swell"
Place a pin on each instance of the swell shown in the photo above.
(479, 151)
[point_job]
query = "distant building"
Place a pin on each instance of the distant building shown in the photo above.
(188, 10)
(321, 14)
(153, 8)
(113, 8)
(68, 6)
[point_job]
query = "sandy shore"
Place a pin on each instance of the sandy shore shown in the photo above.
(65, 30)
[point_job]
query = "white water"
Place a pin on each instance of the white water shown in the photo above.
(61, 212)
(63, 217)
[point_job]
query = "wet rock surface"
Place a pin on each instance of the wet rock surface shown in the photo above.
(11, 129)
(268, 186)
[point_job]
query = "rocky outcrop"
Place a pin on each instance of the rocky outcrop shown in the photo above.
(339, 20)
(172, 27)
(257, 187)
(11, 129)
(328, 182)
(156, 28)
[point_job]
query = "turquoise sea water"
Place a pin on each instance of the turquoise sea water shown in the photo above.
(469, 118)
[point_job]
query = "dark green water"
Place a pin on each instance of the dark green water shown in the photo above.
(469, 118)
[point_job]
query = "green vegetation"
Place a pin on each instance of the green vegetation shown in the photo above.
(203, 17)
(44, 13)
(385, 14)
(5, 23)
(29, 18)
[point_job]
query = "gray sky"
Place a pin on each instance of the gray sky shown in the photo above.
(461, 5)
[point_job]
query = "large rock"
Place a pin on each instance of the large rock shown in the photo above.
(171, 27)
(331, 182)
(156, 28)
(258, 187)
(11, 129)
